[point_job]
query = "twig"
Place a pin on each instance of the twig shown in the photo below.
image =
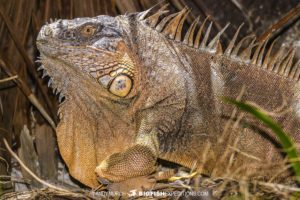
(280, 172)
(244, 153)
(8, 79)
(27, 91)
(232, 116)
(289, 17)
(14, 179)
(279, 186)
(241, 8)
(7, 165)
(30, 172)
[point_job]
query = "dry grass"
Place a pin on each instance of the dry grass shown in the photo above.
(180, 185)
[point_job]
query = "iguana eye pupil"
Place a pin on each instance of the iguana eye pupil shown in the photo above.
(121, 86)
(88, 30)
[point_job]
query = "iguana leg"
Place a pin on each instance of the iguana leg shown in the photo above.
(137, 160)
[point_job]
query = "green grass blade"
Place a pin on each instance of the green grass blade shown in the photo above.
(285, 140)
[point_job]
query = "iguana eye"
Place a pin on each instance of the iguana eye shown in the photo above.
(121, 85)
(88, 30)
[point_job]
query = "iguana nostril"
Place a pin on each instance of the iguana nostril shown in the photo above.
(48, 31)
(69, 34)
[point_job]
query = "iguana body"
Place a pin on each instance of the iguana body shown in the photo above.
(138, 89)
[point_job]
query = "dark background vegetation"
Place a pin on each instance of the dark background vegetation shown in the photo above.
(20, 22)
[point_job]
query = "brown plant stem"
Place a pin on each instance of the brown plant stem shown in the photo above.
(29, 171)
(27, 91)
(287, 18)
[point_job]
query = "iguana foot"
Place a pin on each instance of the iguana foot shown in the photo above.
(138, 160)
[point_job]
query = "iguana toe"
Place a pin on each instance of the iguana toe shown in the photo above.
(131, 186)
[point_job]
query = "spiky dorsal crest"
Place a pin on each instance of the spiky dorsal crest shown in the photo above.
(255, 53)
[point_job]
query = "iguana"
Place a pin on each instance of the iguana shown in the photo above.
(138, 88)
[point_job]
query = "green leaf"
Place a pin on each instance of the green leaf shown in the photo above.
(285, 141)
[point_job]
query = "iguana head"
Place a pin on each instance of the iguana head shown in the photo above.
(90, 49)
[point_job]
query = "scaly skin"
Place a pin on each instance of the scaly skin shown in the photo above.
(132, 96)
